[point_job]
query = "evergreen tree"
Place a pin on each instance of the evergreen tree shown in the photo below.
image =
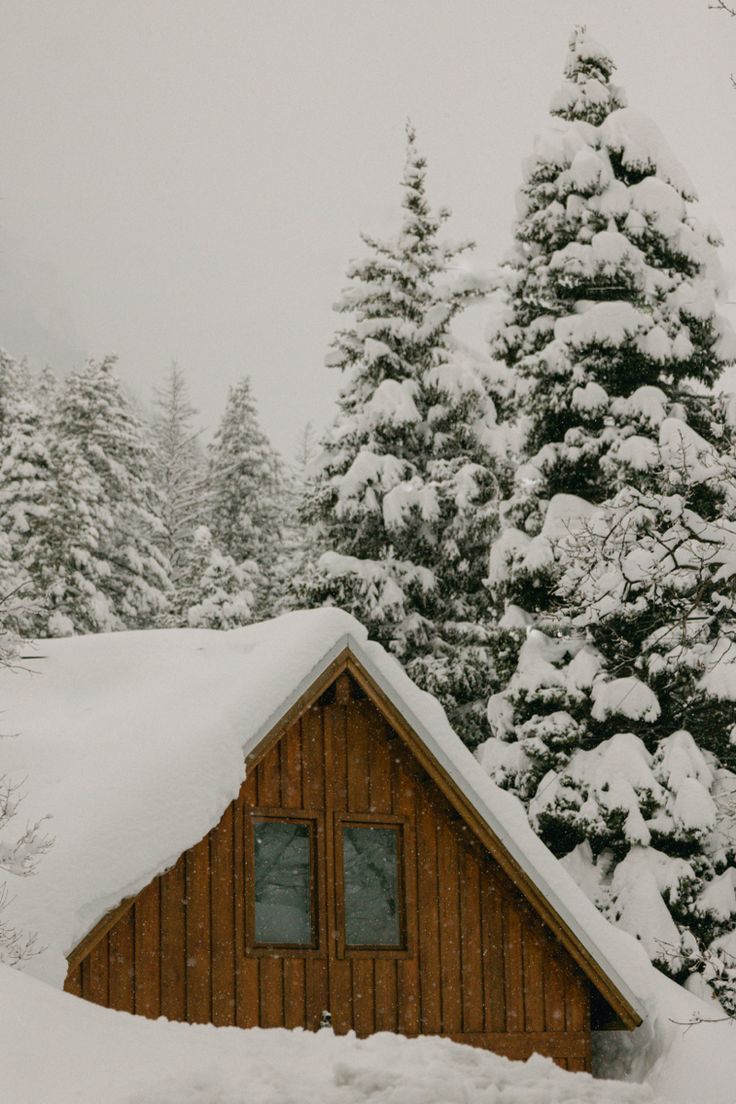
(245, 485)
(298, 551)
(405, 498)
(616, 727)
(177, 464)
(98, 566)
(25, 489)
(214, 592)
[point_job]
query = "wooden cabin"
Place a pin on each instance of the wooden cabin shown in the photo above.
(357, 874)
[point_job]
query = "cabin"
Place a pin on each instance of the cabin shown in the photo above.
(366, 873)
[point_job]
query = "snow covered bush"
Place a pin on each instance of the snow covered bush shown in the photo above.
(618, 547)
(405, 497)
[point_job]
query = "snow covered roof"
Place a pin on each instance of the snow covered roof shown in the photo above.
(135, 742)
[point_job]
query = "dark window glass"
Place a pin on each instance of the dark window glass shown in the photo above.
(283, 859)
(371, 874)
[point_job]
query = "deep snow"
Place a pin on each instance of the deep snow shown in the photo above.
(93, 1056)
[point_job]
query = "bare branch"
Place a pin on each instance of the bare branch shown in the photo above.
(721, 6)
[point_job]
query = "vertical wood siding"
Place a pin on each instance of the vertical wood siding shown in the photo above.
(480, 966)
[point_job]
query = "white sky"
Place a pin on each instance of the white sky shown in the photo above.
(187, 178)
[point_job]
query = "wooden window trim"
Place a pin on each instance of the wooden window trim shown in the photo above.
(315, 822)
(405, 888)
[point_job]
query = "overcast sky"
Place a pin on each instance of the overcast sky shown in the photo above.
(187, 178)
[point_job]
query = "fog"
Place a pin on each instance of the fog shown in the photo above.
(187, 180)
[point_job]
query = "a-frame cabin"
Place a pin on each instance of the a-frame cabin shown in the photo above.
(357, 874)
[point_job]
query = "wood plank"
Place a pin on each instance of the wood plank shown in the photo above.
(494, 960)
(73, 981)
(554, 993)
(291, 768)
(294, 992)
(339, 975)
(317, 991)
(449, 916)
(363, 1020)
(271, 969)
(269, 778)
(344, 689)
(222, 915)
(173, 943)
(249, 790)
(470, 942)
(247, 988)
(358, 722)
(385, 989)
(122, 964)
(313, 766)
(514, 965)
(577, 1065)
(380, 739)
(403, 801)
(533, 955)
(199, 1004)
(577, 1000)
(95, 983)
(147, 952)
(428, 918)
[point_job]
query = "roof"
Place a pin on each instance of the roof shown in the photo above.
(135, 742)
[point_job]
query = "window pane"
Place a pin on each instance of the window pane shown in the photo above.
(283, 883)
(370, 859)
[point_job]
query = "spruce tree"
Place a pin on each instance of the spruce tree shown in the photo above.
(177, 465)
(297, 550)
(245, 493)
(214, 592)
(25, 490)
(616, 727)
(98, 566)
(405, 498)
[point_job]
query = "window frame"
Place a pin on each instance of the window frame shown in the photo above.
(404, 884)
(315, 824)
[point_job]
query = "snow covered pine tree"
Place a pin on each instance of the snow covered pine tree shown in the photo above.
(95, 562)
(213, 592)
(246, 493)
(618, 552)
(26, 483)
(405, 501)
(177, 464)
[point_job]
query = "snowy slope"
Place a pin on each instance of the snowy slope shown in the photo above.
(92, 1055)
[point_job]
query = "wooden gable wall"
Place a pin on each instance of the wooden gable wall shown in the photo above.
(480, 965)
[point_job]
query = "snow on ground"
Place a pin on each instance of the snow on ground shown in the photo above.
(57, 1049)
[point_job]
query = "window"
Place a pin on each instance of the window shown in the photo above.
(371, 885)
(284, 891)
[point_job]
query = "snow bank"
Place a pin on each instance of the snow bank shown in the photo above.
(91, 1055)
